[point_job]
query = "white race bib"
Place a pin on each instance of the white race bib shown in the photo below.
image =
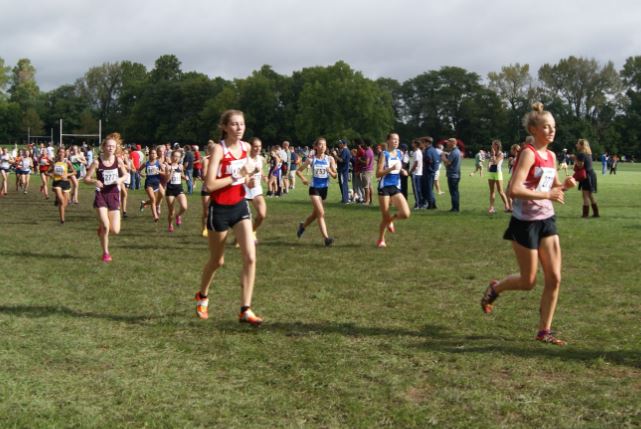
(58, 170)
(234, 170)
(320, 172)
(546, 178)
(109, 177)
(176, 179)
(396, 165)
(152, 170)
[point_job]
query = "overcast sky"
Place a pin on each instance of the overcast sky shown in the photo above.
(398, 38)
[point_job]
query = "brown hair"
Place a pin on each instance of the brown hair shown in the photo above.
(534, 117)
(225, 118)
(498, 143)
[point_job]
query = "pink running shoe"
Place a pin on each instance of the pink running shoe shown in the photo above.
(391, 227)
(380, 244)
(179, 220)
(106, 258)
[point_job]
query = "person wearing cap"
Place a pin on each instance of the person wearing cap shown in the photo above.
(452, 160)
(563, 162)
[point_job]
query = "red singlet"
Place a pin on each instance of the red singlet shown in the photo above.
(230, 166)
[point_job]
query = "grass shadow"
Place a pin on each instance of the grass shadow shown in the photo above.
(300, 329)
(27, 254)
(461, 345)
(37, 311)
(316, 244)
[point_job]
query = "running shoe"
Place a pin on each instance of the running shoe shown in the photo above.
(106, 257)
(142, 206)
(248, 316)
(202, 306)
(491, 210)
(205, 233)
(170, 228)
(179, 220)
(124, 215)
(329, 241)
(489, 297)
(391, 228)
(300, 230)
(380, 244)
(549, 338)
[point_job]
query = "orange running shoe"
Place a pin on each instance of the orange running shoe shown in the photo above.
(202, 306)
(549, 338)
(248, 316)
(489, 297)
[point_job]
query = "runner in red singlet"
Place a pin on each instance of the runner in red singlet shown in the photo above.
(227, 171)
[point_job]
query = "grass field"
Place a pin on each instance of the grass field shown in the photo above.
(354, 336)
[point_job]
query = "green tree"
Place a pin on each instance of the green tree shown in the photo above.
(629, 124)
(5, 78)
(515, 87)
(338, 102)
(101, 87)
(167, 68)
(452, 102)
(24, 89)
(591, 94)
(65, 102)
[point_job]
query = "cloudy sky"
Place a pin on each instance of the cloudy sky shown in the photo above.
(398, 39)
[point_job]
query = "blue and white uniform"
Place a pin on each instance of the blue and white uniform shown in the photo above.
(320, 176)
(152, 171)
(393, 178)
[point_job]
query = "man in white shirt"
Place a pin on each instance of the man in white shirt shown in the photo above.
(416, 169)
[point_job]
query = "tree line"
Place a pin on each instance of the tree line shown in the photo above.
(166, 104)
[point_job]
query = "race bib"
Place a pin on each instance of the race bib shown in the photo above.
(25, 164)
(547, 175)
(320, 172)
(58, 170)
(176, 179)
(109, 177)
(152, 170)
(234, 168)
(396, 165)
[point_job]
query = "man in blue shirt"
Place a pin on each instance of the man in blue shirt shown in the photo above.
(452, 162)
(343, 159)
(604, 163)
(431, 164)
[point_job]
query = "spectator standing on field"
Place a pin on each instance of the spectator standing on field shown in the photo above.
(136, 157)
(343, 157)
(452, 161)
(368, 172)
(188, 166)
(416, 170)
